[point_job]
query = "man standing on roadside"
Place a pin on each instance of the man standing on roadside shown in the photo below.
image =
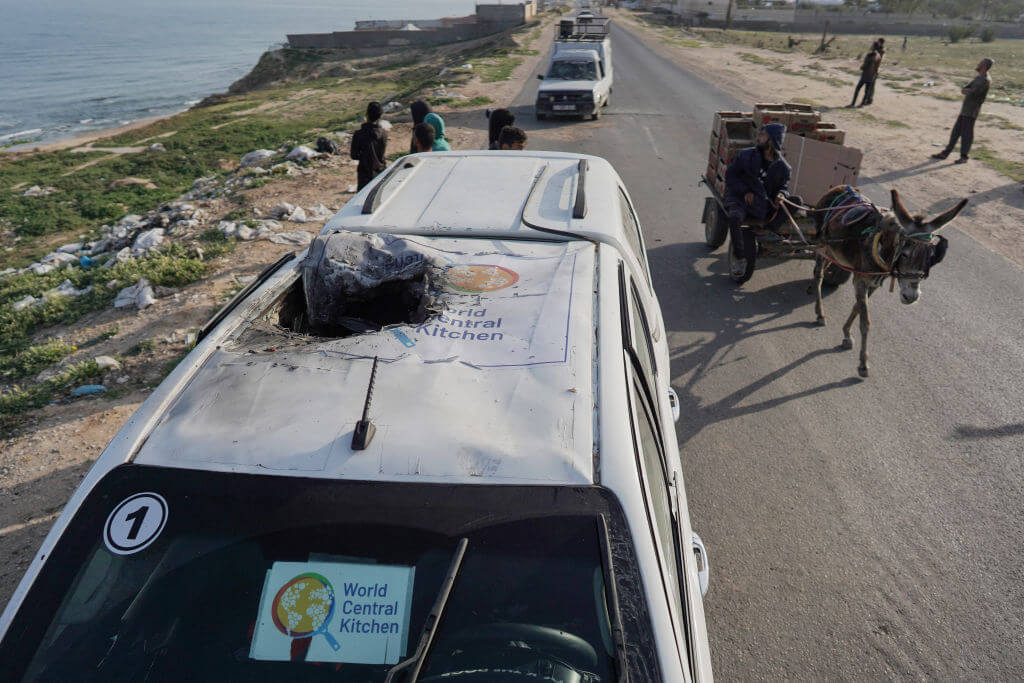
(869, 72)
(974, 94)
(369, 146)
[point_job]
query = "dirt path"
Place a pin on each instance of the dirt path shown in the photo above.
(898, 133)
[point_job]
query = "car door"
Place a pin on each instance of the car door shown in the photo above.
(654, 434)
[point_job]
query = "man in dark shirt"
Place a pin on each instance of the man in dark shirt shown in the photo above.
(869, 72)
(974, 94)
(369, 146)
(756, 181)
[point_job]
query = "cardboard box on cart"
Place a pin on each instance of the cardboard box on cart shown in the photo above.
(819, 166)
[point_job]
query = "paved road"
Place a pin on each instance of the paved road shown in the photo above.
(870, 529)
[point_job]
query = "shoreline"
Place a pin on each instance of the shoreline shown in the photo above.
(83, 139)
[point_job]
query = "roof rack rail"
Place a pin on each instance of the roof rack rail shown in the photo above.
(373, 199)
(579, 208)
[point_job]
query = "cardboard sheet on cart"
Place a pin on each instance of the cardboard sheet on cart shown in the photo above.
(509, 307)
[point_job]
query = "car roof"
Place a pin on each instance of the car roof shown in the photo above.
(506, 396)
(492, 194)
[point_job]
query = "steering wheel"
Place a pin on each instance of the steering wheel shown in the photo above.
(568, 646)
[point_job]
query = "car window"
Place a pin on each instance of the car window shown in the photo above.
(632, 228)
(660, 495)
(264, 578)
(642, 336)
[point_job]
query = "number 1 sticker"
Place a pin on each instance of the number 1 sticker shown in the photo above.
(135, 523)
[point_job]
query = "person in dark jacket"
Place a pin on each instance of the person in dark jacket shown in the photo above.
(974, 94)
(497, 120)
(512, 138)
(369, 146)
(418, 110)
(755, 183)
(422, 138)
(869, 72)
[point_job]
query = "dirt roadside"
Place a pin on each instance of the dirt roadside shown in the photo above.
(897, 134)
(42, 465)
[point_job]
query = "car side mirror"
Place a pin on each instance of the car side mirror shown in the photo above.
(540, 77)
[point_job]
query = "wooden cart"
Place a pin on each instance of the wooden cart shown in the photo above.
(787, 243)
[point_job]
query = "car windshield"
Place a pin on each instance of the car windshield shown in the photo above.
(183, 575)
(573, 70)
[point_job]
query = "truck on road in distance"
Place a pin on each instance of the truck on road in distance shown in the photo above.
(578, 81)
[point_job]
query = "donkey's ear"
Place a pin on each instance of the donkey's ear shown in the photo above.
(936, 223)
(900, 209)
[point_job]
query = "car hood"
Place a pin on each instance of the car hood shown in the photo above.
(560, 85)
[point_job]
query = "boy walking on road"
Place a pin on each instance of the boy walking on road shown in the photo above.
(974, 94)
(369, 146)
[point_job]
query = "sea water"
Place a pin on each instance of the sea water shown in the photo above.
(71, 66)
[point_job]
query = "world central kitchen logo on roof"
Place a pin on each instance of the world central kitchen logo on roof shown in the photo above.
(365, 622)
(477, 278)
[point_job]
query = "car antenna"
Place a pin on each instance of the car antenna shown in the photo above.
(363, 434)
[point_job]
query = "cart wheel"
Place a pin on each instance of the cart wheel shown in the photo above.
(716, 225)
(834, 275)
(734, 260)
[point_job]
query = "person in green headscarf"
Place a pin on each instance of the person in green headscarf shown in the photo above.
(437, 123)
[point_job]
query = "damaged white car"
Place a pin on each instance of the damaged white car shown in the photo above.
(436, 446)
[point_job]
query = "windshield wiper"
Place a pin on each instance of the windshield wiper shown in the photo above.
(618, 636)
(433, 618)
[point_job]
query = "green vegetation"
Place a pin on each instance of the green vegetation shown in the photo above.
(144, 346)
(1011, 169)
(757, 59)
(459, 103)
(20, 399)
(34, 358)
(925, 58)
(864, 116)
(957, 33)
(173, 267)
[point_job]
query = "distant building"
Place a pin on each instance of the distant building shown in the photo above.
(694, 11)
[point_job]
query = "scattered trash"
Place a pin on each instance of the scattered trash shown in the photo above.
(254, 158)
(302, 153)
(327, 146)
(157, 147)
(107, 363)
(144, 183)
(22, 304)
(392, 107)
(66, 289)
(88, 390)
(86, 262)
(36, 191)
(296, 237)
(352, 189)
(245, 233)
(72, 248)
(139, 295)
(148, 240)
(122, 379)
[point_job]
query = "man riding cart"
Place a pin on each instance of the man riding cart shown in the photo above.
(756, 183)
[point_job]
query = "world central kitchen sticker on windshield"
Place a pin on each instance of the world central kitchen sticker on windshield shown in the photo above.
(349, 612)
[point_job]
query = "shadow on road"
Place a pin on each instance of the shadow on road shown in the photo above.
(708, 304)
(971, 432)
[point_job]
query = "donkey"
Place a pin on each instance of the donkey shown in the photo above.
(875, 243)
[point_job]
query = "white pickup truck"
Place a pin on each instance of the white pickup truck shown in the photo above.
(579, 78)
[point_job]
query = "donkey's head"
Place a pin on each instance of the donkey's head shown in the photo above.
(919, 245)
